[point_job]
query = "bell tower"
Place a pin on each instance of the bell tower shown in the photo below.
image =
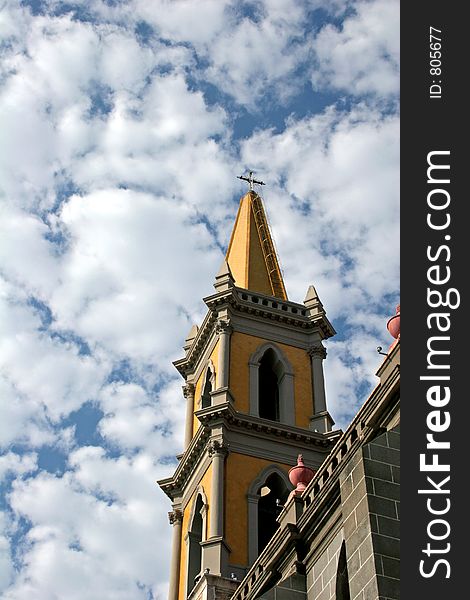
(255, 398)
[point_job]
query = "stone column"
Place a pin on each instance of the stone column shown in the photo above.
(321, 420)
(176, 519)
(188, 392)
(215, 551)
(218, 452)
(317, 355)
(224, 331)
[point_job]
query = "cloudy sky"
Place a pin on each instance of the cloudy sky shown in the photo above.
(123, 127)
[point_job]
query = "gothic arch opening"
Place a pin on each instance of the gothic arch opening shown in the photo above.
(271, 385)
(268, 387)
(342, 578)
(195, 536)
(206, 398)
(272, 495)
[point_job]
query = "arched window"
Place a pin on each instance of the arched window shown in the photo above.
(206, 398)
(209, 385)
(195, 537)
(266, 495)
(273, 494)
(271, 385)
(342, 579)
(268, 387)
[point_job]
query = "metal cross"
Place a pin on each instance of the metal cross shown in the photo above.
(250, 180)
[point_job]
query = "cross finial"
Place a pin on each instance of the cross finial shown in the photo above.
(251, 180)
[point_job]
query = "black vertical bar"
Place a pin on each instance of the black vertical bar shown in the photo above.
(434, 119)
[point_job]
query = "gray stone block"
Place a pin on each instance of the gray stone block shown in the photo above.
(396, 474)
(282, 593)
(387, 546)
(335, 545)
(397, 508)
(361, 578)
(393, 439)
(354, 497)
(378, 470)
(380, 440)
(387, 455)
(382, 506)
(390, 527)
(358, 473)
(366, 550)
(370, 485)
(391, 567)
(362, 511)
(388, 587)
(386, 489)
(319, 565)
(346, 487)
(349, 525)
(371, 591)
(374, 526)
(354, 562)
(358, 536)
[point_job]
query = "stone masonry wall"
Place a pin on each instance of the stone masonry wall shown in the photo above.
(370, 496)
(321, 577)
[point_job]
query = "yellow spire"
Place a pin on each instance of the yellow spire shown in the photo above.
(251, 255)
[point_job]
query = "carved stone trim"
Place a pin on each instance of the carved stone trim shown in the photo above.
(175, 516)
(223, 327)
(217, 447)
(188, 390)
(317, 351)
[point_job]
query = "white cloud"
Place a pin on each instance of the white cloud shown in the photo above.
(16, 464)
(342, 169)
(362, 55)
(126, 279)
(97, 524)
(118, 181)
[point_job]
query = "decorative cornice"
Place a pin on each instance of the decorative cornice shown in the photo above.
(226, 414)
(172, 485)
(217, 447)
(188, 390)
(223, 326)
(317, 351)
(175, 516)
(238, 300)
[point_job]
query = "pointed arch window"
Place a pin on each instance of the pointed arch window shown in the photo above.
(195, 535)
(268, 390)
(342, 578)
(209, 386)
(266, 495)
(271, 385)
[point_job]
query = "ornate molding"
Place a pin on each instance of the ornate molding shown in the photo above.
(317, 351)
(188, 390)
(217, 447)
(175, 516)
(223, 327)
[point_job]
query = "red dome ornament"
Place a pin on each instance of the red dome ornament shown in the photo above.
(300, 476)
(393, 324)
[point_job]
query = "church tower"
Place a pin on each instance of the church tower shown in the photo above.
(255, 399)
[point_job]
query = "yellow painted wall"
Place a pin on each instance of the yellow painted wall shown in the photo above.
(214, 357)
(206, 485)
(242, 346)
(240, 472)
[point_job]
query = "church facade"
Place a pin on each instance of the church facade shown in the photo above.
(255, 399)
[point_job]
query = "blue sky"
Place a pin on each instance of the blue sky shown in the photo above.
(124, 125)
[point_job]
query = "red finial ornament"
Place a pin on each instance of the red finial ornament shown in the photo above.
(300, 476)
(393, 324)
